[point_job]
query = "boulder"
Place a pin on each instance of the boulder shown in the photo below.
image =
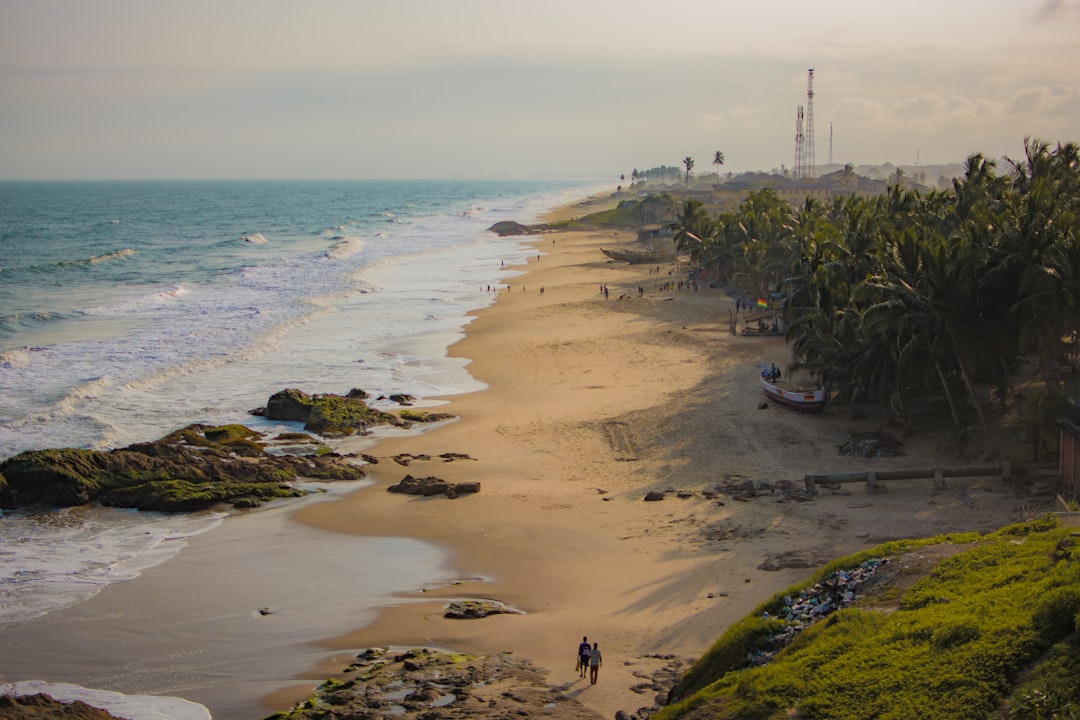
(508, 228)
(44, 707)
(326, 414)
(475, 609)
(427, 486)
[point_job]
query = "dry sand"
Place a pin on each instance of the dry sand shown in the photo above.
(590, 404)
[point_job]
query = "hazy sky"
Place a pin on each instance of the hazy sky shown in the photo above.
(520, 88)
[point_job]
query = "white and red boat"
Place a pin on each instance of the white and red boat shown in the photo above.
(783, 392)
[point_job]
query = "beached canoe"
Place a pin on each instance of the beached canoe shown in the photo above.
(783, 392)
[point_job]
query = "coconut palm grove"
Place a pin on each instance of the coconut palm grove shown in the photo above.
(918, 297)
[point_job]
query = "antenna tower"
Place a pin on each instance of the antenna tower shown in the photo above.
(799, 171)
(811, 169)
(830, 143)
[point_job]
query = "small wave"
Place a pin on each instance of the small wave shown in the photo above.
(16, 321)
(143, 303)
(344, 247)
(254, 238)
(104, 257)
(134, 707)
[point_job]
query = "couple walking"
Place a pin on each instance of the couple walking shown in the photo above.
(589, 657)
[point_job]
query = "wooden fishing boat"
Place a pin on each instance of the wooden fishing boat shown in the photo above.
(783, 392)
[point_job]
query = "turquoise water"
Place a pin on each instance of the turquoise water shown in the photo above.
(110, 292)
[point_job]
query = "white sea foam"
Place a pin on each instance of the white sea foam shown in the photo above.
(130, 707)
(53, 559)
(15, 358)
(344, 247)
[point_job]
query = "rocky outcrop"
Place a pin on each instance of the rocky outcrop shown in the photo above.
(326, 414)
(475, 609)
(437, 685)
(43, 707)
(191, 469)
(508, 228)
(431, 485)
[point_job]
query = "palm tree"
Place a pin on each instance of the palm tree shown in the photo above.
(718, 161)
(689, 163)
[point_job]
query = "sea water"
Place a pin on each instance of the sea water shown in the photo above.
(130, 309)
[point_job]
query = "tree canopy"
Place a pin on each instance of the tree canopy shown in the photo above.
(909, 295)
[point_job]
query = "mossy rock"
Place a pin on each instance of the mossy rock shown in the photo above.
(181, 472)
(186, 496)
(327, 414)
(230, 433)
(63, 477)
(419, 416)
(296, 437)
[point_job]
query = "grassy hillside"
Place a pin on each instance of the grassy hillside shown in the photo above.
(952, 627)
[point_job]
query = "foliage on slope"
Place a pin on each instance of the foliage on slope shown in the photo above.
(989, 632)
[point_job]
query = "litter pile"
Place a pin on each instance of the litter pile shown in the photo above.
(836, 591)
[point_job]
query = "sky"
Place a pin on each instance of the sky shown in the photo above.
(591, 89)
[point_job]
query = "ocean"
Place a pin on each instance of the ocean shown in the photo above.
(130, 309)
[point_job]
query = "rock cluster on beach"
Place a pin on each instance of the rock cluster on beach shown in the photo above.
(43, 707)
(191, 469)
(341, 415)
(427, 486)
(437, 685)
(326, 414)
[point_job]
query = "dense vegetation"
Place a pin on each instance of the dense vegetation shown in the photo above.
(989, 632)
(917, 294)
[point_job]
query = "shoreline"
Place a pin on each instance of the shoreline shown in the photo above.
(589, 404)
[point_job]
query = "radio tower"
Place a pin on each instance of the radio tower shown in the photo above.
(799, 171)
(830, 143)
(811, 169)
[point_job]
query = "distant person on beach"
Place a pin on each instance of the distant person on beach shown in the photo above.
(583, 651)
(595, 661)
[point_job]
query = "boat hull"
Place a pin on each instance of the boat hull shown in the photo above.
(787, 394)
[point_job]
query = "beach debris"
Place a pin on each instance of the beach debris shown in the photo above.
(838, 590)
(874, 444)
(431, 485)
(474, 609)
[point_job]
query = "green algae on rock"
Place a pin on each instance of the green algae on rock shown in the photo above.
(193, 468)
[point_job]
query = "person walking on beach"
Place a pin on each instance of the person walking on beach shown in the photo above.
(595, 661)
(583, 651)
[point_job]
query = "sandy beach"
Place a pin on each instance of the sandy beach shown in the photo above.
(590, 404)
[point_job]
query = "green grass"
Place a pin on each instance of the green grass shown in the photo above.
(963, 637)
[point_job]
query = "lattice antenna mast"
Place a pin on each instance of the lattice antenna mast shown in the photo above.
(800, 140)
(830, 143)
(811, 169)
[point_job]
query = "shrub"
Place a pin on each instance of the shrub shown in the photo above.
(1056, 613)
